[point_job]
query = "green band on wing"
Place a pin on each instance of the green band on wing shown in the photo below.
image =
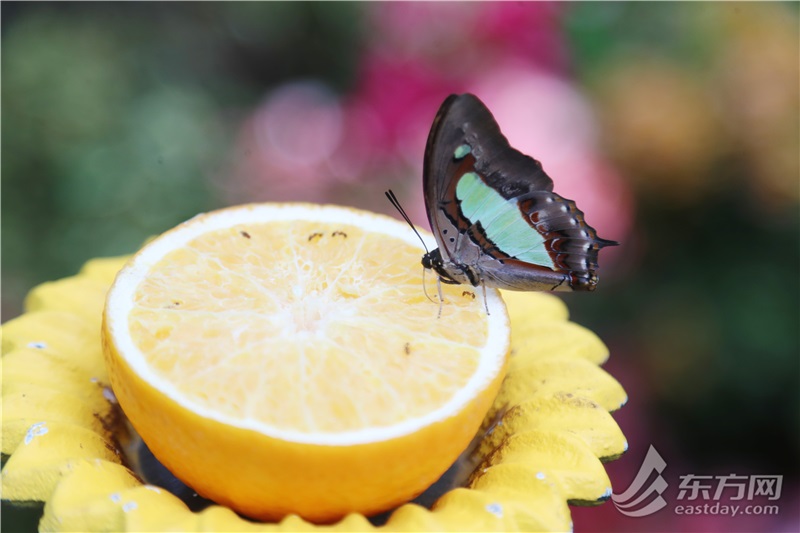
(501, 220)
(462, 151)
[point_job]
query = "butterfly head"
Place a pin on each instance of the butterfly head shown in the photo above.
(433, 261)
(428, 259)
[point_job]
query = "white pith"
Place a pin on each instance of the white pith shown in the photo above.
(120, 303)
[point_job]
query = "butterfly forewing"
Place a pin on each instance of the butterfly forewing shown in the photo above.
(493, 212)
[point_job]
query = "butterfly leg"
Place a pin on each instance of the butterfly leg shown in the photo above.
(485, 302)
(439, 281)
(441, 296)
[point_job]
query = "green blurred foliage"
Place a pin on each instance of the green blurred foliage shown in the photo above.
(117, 118)
(699, 105)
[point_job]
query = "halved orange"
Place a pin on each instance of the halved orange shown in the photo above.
(284, 358)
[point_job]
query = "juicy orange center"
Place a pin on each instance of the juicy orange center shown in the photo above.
(304, 328)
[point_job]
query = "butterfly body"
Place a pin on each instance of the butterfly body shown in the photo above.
(493, 211)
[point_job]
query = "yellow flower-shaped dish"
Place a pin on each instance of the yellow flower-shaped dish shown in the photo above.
(542, 446)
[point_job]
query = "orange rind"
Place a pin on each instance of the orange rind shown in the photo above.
(523, 482)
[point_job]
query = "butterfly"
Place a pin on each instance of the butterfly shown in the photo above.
(493, 212)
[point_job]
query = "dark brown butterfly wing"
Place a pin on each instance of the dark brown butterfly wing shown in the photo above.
(510, 230)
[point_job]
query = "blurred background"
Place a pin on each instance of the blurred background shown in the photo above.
(675, 127)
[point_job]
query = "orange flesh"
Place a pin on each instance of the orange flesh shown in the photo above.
(305, 329)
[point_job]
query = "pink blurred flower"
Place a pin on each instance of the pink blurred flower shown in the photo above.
(460, 38)
(305, 143)
(285, 145)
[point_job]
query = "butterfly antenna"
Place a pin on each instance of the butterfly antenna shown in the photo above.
(393, 199)
(396, 203)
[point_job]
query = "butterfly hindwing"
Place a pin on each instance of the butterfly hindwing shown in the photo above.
(493, 212)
